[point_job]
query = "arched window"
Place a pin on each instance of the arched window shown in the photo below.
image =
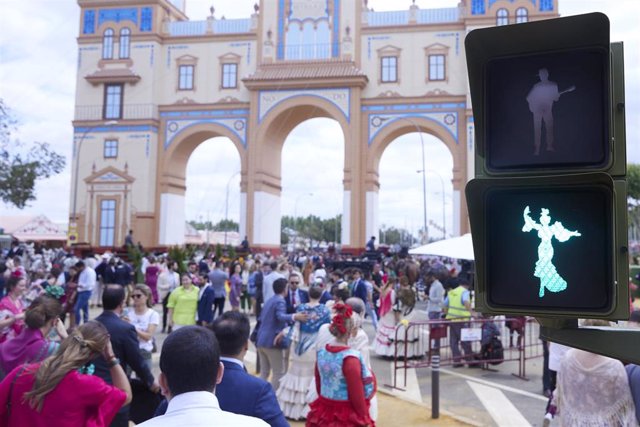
(522, 15)
(107, 44)
(125, 41)
(502, 17)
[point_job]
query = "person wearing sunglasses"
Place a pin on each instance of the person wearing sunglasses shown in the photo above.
(144, 318)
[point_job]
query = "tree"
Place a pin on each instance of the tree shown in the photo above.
(633, 200)
(20, 166)
(226, 225)
(633, 180)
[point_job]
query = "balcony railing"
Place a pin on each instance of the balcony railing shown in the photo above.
(212, 26)
(309, 51)
(129, 112)
(403, 17)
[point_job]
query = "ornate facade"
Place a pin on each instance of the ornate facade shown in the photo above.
(153, 85)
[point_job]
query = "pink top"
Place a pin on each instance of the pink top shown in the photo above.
(78, 400)
(7, 305)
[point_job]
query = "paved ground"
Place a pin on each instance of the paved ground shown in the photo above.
(467, 396)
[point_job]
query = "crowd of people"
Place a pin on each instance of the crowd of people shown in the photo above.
(313, 354)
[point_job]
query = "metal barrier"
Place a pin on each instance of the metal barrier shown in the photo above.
(416, 343)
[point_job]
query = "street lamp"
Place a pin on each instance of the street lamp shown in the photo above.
(226, 206)
(295, 209)
(444, 224)
(77, 169)
(424, 178)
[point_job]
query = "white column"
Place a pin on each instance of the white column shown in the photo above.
(345, 233)
(456, 213)
(266, 219)
(172, 219)
(243, 215)
(372, 228)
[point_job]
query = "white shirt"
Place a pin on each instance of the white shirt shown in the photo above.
(267, 285)
(142, 322)
(87, 279)
(200, 409)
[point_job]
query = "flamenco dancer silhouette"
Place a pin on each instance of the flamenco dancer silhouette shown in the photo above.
(545, 270)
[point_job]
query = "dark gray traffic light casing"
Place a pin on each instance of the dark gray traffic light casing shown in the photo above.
(550, 155)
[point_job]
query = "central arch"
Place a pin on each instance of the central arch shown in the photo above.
(266, 163)
(407, 124)
(171, 178)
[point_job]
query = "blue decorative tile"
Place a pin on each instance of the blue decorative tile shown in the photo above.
(89, 22)
(146, 19)
(477, 7)
(546, 5)
(118, 15)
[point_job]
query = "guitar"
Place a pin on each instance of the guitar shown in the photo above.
(567, 90)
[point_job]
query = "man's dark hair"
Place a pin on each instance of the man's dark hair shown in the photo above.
(112, 297)
(190, 360)
(80, 264)
(279, 285)
(232, 332)
(274, 265)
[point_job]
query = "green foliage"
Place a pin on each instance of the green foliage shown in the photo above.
(313, 228)
(231, 252)
(179, 255)
(395, 236)
(226, 225)
(633, 180)
(21, 167)
(218, 251)
(135, 258)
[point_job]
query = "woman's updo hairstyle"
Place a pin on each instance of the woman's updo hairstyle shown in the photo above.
(341, 324)
(42, 309)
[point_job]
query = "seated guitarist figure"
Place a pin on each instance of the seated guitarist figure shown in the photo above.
(541, 98)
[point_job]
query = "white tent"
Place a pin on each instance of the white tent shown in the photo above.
(457, 247)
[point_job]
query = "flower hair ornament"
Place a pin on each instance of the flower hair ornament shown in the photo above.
(80, 341)
(343, 312)
(55, 291)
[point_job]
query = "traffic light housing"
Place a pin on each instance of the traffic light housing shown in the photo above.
(548, 205)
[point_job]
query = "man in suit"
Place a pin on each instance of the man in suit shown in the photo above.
(258, 398)
(124, 341)
(295, 295)
(273, 320)
(206, 298)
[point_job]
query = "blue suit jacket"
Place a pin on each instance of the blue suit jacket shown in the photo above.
(205, 306)
(303, 298)
(244, 394)
(273, 319)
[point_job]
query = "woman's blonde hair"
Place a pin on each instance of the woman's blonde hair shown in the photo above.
(146, 291)
(81, 346)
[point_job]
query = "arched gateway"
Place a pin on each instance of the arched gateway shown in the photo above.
(153, 85)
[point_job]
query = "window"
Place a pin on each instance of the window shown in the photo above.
(186, 77)
(110, 148)
(502, 17)
(229, 76)
(107, 222)
(125, 43)
(389, 69)
(436, 67)
(107, 44)
(522, 15)
(113, 101)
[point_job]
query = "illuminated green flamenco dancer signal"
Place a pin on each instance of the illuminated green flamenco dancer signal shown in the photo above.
(545, 270)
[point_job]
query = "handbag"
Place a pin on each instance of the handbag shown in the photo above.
(254, 334)
(285, 342)
(493, 351)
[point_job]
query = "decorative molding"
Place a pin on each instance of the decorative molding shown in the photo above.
(388, 94)
(269, 99)
(185, 101)
(109, 175)
(228, 100)
(446, 119)
(230, 119)
(437, 92)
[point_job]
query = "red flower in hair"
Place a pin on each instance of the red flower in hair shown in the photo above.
(343, 312)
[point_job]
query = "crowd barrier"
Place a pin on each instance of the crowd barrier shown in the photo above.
(416, 343)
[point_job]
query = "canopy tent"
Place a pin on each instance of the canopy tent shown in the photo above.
(32, 228)
(457, 247)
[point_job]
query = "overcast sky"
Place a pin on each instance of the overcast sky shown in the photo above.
(38, 54)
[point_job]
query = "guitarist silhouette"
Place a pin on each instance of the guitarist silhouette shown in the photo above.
(541, 98)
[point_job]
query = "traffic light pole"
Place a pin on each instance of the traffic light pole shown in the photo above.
(614, 342)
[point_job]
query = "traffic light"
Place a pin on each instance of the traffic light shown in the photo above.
(548, 204)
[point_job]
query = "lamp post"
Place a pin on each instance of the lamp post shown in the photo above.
(295, 210)
(444, 224)
(226, 206)
(77, 168)
(424, 179)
